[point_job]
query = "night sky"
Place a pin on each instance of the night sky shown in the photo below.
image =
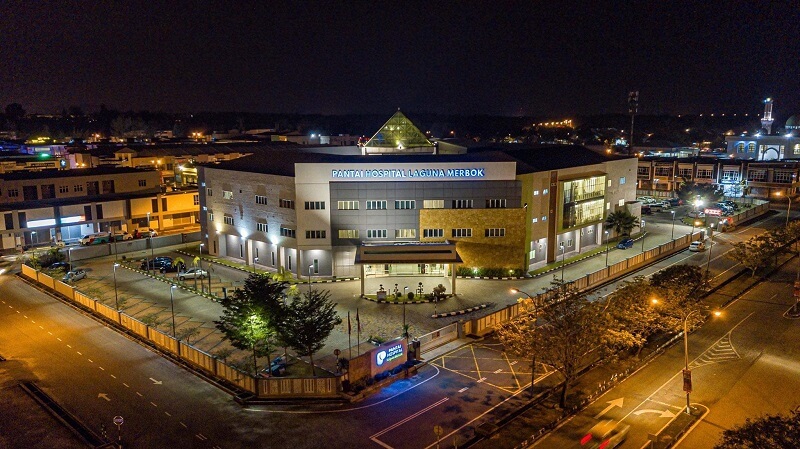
(454, 57)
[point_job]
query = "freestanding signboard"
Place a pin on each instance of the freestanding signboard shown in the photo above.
(388, 356)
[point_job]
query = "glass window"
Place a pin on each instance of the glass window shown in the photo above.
(262, 227)
(405, 233)
(433, 204)
(432, 233)
(315, 234)
(286, 204)
(348, 233)
(260, 199)
(376, 233)
(462, 232)
(495, 232)
(462, 204)
(227, 195)
(347, 205)
(496, 203)
(228, 220)
(315, 205)
(376, 204)
(286, 232)
(405, 204)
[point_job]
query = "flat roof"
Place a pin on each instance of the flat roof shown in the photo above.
(71, 173)
(411, 252)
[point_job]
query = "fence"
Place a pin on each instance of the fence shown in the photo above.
(271, 387)
(762, 207)
(438, 337)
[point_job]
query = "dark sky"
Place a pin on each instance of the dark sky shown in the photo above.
(453, 57)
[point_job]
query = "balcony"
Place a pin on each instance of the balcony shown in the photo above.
(577, 197)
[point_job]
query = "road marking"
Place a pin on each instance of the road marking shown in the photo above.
(407, 419)
(156, 382)
(477, 367)
(139, 394)
(34, 322)
(153, 404)
(611, 404)
(40, 327)
(481, 379)
(113, 376)
(201, 437)
(184, 425)
(18, 311)
(26, 316)
(52, 333)
(90, 360)
(463, 389)
(498, 371)
(663, 413)
(167, 413)
(70, 347)
(511, 368)
(126, 385)
(101, 368)
(58, 339)
(79, 353)
(514, 362)
(103, 396)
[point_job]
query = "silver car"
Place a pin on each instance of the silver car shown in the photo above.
(192, 273)
(74, 275)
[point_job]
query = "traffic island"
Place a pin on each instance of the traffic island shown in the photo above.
(677, 427)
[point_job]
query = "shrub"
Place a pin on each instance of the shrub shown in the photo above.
(410, 296)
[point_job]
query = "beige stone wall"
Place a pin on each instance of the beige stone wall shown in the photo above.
(480, 251)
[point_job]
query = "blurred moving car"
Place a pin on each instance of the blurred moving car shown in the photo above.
(192, 273)
(606, 434)
(122, 236)
(74, 275)
(625, 243)
(697, 246)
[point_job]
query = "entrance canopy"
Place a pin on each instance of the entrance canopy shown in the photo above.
(413, 252)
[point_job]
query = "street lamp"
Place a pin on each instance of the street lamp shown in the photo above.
(116, 298)
(533, 357)
(789, 208)
(673, 225)
(710, 246)
(310, 268)
(643, 234)
(172, 304)
(405, 329)
(606, 232)
(563, 248)
(202, 283)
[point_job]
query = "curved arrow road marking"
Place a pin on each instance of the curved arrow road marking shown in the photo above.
(664, 414)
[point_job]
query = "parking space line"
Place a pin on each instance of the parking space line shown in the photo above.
(511, 367)
(477, 367)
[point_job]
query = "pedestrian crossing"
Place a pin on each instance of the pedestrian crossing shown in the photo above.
(722, 351)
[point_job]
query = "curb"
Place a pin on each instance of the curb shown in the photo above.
(509, 278)
(216, 261)
(459, 312)
(168, 281)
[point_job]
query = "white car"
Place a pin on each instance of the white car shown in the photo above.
(192, 273)
(697, 246)
(696, 214)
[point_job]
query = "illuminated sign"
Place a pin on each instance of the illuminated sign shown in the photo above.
(716, 212)
(410, 173)
(389, 354)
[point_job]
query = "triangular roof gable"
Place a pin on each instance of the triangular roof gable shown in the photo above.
(399, 132)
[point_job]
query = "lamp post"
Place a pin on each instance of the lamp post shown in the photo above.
(172, 305)
(672, 237)
(202, 283)
(563, 248)
(116, 298)
(310, 269)
(405, 329)
(643, 234)
(533, 357)
(606, 232)
(710, 246)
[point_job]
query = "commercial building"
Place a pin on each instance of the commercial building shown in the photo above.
(62, 205)
(409, 210)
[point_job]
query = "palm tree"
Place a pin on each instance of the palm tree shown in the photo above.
(622, 221)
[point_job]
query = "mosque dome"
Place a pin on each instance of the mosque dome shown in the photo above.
(793, 122)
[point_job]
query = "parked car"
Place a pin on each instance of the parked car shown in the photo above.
(657, 207)
(192, 273)
(161, 263)
(122, 236)
(695, 214)
(74, 275)
(66, 266)
(606, 434)
(276, 368)
(95, 239)
(675, 201)
(647, 210)
(625, 243)
(697, 246)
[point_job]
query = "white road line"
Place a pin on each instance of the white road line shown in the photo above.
(409, 418)
(79, 353)
(201, 437)
(463, 389)
(139, 394)
(184, 425)
(26, 316)
(70, 347)
(58, 339)
(126, 385)
(167, 413)
(49, 332)
(40, 327)
(154, 404)
(18, 311)
(481, 379)
(34, 322)
(101, 368)
(514, 362)
(498, 371)
(113, 376)
(90, 360)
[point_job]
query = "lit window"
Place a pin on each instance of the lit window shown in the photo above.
(535, 193)
(433, 204)
(227, 195)
(347, 205)
(405, 233)
(545, 192)
(622, 180)
(348, 233)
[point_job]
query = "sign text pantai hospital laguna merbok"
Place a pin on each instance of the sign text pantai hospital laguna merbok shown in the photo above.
(409, 173)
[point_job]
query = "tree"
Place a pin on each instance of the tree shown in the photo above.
(753, 254)
(622, 221)
(307, 322)
(689, 277)
(768, 432)
(630, 316)
(248, 318)
(678, 289)
(14, 112)
(566, 329)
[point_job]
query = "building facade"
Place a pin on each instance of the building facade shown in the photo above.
(310, 213)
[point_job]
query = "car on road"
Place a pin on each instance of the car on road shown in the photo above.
(193, 273)
(74, 275)
(697, 246)
(122, 236)
(625, 243)
(606, 434)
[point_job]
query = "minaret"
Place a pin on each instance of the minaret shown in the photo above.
(766, 120)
